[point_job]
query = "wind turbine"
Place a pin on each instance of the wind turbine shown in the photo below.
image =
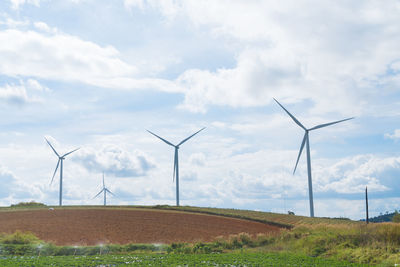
(105, 190)
(176, 161)
(306, 141)
(59, 163)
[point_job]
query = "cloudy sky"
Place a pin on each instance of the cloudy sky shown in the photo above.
(96, 74)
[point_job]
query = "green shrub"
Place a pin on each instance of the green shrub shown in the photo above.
(202, 248)
(28, 204)
(396, 217)
(235, 242)
(20, 238)
(246, 240)
(18, 249)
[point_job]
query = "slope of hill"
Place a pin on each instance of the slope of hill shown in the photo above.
(278, 219)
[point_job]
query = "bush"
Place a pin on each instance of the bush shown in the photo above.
(18, 249)
(396, 217)
(201, 248)
(245, 239)
(20, 238)
(27, 204)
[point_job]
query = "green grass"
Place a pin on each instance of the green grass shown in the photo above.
(226, 259)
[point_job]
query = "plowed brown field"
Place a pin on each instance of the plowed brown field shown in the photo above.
(122, 226)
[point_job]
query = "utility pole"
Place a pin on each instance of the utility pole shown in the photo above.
(366, 203)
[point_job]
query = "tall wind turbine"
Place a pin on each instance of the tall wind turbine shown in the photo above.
(176, 161)
(306, 142)
(105, 190)
(59, 163)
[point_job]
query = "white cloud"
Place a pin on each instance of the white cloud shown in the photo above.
(394, 136)
(332, 54)
(13, 94)
(35, 85)
(197, 159)
(258, 77)
(134, 3)
(44, 27)
(15, 190)
(351, 175)
(169, 8)
(8, 181)
(18, 94)
(59, 56)
(115, 161)
(63, 57)
(11, 23)
(15, 4)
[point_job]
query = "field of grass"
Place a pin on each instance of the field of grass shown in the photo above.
(226, 259)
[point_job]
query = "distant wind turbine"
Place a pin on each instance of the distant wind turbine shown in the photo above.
(306, 142)
(176, 160)
(59, 163)
(105, 190)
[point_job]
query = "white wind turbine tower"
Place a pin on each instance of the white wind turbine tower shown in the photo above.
(59, 163)
(176, 161)
(105, 191)
(306, 142)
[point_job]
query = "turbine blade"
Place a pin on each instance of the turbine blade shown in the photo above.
(330, 123)
(101, 191)
(103, 181)
(110, 192)
(51, 147)
(58, 163)
(301, 150)
(293, 117)
(71, 152)
(184, 140)
(161, 139)
(175, 159)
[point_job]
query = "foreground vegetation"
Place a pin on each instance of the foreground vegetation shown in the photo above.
(302, 238)
(227, 259)
(377, 244)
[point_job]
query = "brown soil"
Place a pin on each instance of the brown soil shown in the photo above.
(119, 226)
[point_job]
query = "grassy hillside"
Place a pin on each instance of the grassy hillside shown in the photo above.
(285, 220)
